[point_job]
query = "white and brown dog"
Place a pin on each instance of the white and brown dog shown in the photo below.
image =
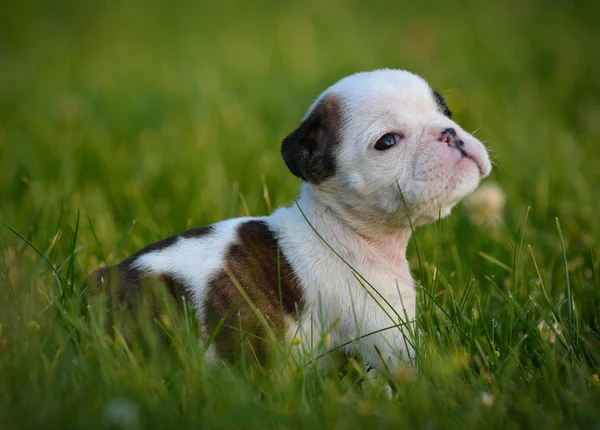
(373, 150)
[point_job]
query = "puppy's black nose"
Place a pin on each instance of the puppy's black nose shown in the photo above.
(450, 131)
(448, 135)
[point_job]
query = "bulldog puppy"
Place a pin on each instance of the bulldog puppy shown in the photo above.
(376, 151)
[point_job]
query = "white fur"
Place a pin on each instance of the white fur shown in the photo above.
(193, 260)
(342, 308)
(360, 214)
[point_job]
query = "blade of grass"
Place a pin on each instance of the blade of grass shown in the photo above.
(567, 278)
(70, 269)
(102, 256)
(123, 241)
(495, 261)
(412, 230)
(41, 254)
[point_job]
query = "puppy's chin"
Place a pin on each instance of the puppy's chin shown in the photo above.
(464, 180)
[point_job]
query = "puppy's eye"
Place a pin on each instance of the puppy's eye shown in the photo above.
(387, 141)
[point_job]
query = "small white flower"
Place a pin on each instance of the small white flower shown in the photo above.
(487, 399)
(122, 413)
(547, 333)
(486, 204)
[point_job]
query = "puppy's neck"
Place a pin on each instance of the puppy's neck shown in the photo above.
(356, 237)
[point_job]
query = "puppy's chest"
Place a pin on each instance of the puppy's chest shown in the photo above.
(340, 289)
(341, 305)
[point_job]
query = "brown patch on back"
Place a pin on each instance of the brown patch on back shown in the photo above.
(129, 293)
(262, 270)
(309, 151)
(176, 288)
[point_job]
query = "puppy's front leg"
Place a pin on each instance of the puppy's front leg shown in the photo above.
(384, 357)
(379, 382)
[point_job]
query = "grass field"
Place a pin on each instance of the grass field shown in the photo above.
(122, 123)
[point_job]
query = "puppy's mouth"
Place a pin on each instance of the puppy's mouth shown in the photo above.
(480, 166)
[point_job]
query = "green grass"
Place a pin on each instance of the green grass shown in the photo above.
(123, 123)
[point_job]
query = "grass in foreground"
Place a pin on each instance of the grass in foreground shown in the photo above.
(123, 124)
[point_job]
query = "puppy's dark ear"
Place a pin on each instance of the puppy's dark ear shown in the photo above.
(309, 151)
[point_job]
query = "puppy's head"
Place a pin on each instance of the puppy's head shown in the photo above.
(378, 140)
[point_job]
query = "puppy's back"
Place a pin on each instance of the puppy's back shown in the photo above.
(233, 273)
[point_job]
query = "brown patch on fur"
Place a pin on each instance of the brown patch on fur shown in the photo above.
(309, 151)
(262, 270)
(129, 292)
(177, 289)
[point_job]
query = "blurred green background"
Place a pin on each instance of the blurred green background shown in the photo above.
(155, 110)
(171, 114)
